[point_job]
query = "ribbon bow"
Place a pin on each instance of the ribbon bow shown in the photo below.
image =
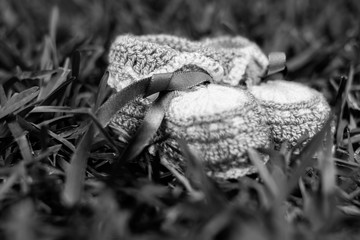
(165, 84)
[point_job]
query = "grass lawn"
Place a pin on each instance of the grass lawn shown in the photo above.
(56, 163)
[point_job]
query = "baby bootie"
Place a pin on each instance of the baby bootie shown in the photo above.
(292, 109)
(222, 123)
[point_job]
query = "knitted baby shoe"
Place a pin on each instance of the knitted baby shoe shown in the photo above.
(222, 123)
(292, 109)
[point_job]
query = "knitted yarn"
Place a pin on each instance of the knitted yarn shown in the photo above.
(222, 123)
(292, 109)
(231, 61)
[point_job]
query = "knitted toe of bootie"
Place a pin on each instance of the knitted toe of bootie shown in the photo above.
(222, 123)
(292, 109)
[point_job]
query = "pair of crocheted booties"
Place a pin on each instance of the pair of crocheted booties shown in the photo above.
(223, 119)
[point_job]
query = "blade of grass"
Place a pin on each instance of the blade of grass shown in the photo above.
(101, 94)
(75, 64)
(22, 221)
(56, 93)
(339, 95)
(75, 173)
(57, 80)
(345, 167)
(181, 178)
(350, 148)
(196, 173)
(304, 58)
(328, 178)
(11, 180)
(35, 129)
(21, 75)
(327, 166)
(10, 56)
(312, 206)
(3, 98)
(44, 137)
(46, 62)
(264, 173)
(95, 54)
(59, 109)
(342, 98)
(85, 111)
(305, 157)
(54, 120)
(47, 152)
(20, 137)
(54, 20)
(353, 139)
(19, 100)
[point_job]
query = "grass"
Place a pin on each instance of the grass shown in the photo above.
(56, 161)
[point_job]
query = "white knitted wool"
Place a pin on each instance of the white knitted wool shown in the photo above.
(292, 109)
